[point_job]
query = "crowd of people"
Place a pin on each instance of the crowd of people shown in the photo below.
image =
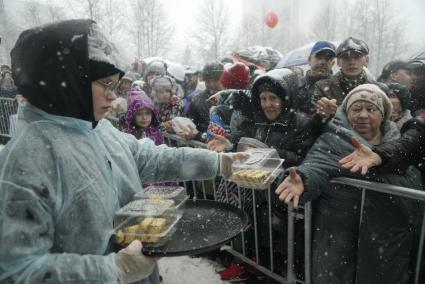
(313, 119)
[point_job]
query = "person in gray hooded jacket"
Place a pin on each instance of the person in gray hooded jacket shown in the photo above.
(68, 170)
(387, 229)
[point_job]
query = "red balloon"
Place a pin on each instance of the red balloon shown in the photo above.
(271, 19)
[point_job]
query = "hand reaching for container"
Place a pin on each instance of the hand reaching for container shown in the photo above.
(362, 158)
(218, 143)
(132, 264)
(291, 188)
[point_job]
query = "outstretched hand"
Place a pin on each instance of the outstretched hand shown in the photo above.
(362, 158)
(291, 188)
(189, 134)
(218, 143)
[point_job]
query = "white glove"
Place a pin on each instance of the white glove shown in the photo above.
(132, 264)
(226, 160)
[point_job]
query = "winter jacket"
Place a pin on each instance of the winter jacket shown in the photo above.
(417, 101)
(408, 150)
(138, 101)
(386, 233)
(302, 101)
(63, 177)
(405, 118)
(170, 110)
(199, 111)
(331, 88)
(187, 100)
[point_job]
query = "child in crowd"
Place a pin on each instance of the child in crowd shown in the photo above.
(141, 119)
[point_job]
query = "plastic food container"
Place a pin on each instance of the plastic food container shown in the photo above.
(175, 193)
(149, 207)
(183, 124)
(153, 231)
(246, 143)
(258, 171)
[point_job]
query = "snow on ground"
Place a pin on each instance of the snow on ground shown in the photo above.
(1, 146)
(187, 270)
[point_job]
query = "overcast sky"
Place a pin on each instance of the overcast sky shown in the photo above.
(184, 12)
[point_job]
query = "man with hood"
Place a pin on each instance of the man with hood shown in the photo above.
(68, 170)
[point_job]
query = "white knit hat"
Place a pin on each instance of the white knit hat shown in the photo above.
(370, 93)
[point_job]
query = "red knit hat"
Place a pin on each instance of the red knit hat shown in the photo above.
(235, 76)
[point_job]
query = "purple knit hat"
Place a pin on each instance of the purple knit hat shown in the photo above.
(136, 101)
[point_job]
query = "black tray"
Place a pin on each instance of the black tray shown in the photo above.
(205, 225)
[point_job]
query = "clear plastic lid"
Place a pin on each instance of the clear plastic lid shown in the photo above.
(246, 143)
(257, 175)
(151, 207)
(164, 192)
(151, 231)
(257, 157)
(175, 193)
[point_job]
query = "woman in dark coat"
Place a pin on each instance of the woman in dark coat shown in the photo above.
(278, 126)
(387, 230)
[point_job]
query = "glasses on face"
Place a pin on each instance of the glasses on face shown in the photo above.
(110, 86)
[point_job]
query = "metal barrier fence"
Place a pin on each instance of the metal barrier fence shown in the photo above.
(289, 275)
(393, 190)
(8, 109)
(266, 266)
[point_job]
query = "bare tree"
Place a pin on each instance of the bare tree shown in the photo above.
(88, 8)
(151, 31)
(32, 13)
(251, 31)
(211, 35)
(324, 22)
(111, 15)
(378, 23)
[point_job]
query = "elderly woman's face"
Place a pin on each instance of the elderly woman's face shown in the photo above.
(366, 119)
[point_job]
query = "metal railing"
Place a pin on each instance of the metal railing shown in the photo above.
(287, 275)
(8, 109)
(393, 190)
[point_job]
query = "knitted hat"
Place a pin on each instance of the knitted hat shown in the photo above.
(235, 76)
(371, 94)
